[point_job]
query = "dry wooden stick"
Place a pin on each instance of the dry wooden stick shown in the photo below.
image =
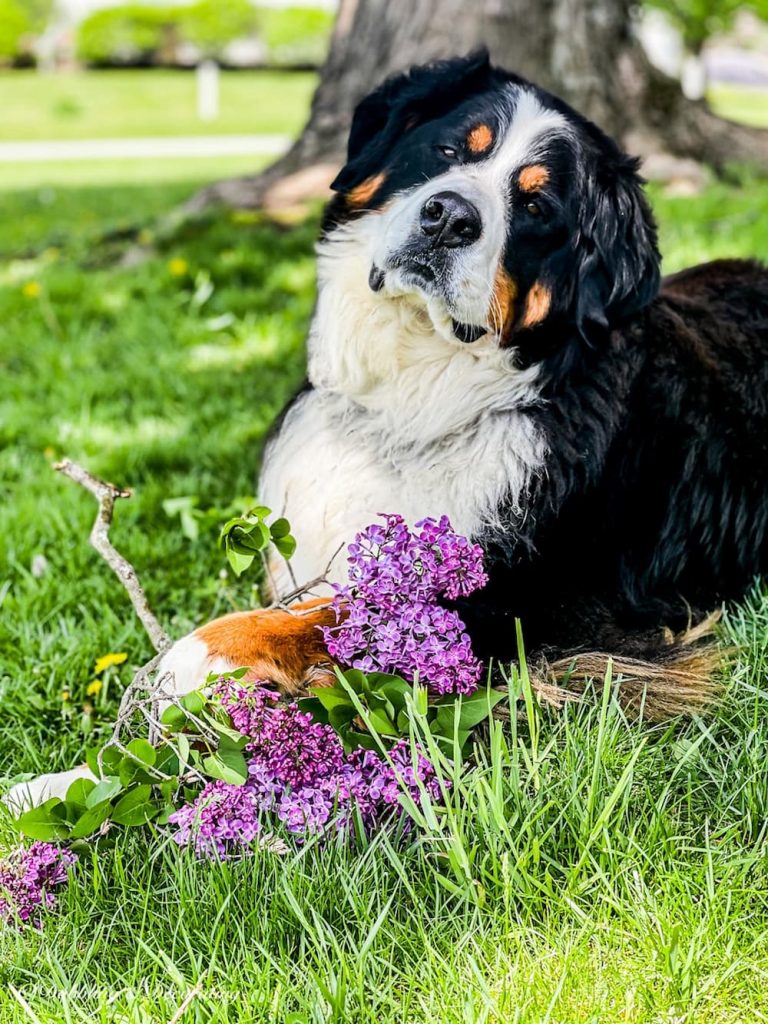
(106, 494)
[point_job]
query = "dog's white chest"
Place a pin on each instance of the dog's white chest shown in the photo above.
(336, 465)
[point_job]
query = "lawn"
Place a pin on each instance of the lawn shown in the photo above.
(122, 104)
(589, 869)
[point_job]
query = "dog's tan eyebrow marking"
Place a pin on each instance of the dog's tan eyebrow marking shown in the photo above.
(536, 305)
(533, 177)
(479, 138)
(366, 190)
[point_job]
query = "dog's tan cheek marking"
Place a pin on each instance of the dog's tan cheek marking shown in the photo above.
(366, 190)
(479, 139)
(537, 304)
(533, 177)
(502, 311)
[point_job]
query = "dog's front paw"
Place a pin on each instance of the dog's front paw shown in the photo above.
(282, 647)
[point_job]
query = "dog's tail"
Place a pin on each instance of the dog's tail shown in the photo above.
(680, 676)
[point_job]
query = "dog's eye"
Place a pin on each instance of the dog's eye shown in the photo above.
(533, 208)
(449, 152)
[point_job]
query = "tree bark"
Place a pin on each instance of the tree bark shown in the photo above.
(583, 50)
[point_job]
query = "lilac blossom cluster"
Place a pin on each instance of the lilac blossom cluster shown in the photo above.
(299, 773)
(389, 616)
(27, 878)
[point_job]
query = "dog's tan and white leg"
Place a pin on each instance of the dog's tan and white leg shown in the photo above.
(284, 648)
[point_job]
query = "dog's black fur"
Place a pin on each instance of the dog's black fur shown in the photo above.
(653, 505)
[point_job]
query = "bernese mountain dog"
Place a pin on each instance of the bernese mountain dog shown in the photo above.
(492, 340)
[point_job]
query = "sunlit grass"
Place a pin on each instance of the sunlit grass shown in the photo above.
(748, 104)
(122, 104)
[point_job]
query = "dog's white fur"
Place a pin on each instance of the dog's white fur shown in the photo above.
(402, 416)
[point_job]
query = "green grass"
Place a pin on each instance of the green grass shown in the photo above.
(740, 103)
(121, 104)
(67, 176)
(589, 870)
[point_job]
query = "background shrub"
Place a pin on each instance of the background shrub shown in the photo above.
(14, 25)
(138, 34)
(131, 34)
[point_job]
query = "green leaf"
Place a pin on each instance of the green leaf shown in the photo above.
(194, 702)
(167, 760)
(280, 528)
(394, 688)
(224, 729)
(239, 563)
(130, 770)
(91, 820)
(259, 511)
(182, 745)
(341, 715)
(79, 791)
(173, 717)
(135, 808)
(356, 679)
(381, 722)
(92, 760)
(44, 822)
(332, 696)
(228, 765)
(104, 790)
(470, 710)
(286, 545)
(143, 751)
(110, 758)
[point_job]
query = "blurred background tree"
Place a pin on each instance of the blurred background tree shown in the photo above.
(584, 50)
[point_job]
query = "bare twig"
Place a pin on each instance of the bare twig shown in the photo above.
(106, 495)
(285, 602)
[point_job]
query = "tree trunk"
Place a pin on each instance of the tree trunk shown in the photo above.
(583, 50)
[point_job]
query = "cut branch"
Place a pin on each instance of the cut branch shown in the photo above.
(106, 494)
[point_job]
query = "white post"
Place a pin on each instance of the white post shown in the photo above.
(207, 75)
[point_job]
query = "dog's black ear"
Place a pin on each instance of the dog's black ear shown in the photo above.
(618, 262)
(401, 103)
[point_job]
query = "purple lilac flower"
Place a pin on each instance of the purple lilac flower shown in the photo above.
(27, 876)
(389, 618)
(297, 771)
(222, 815)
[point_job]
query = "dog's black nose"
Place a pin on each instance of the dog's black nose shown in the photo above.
(450, 220)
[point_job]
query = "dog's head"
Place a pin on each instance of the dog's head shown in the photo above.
(494, 205)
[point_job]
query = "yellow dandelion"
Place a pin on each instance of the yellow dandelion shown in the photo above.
(93, 689)
(65, 695)
(108, 660)
(49, 452)
(178, 267)
(31, 290)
